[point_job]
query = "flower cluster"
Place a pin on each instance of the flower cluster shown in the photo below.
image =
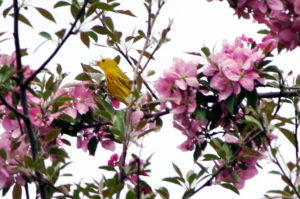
(179, 85)
(44, 108)
(281, 16)
(234, 67)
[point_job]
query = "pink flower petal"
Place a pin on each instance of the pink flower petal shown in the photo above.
(108, 145)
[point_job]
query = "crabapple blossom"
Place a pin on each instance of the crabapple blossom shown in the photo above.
(180, 83)
(281, 16)
(234, 67)
(83, 99)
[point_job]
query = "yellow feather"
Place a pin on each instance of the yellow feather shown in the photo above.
(118, 84)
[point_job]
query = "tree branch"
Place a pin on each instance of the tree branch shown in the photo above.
(24, 103)
(16, 34)
(15, 111)
(27, 82)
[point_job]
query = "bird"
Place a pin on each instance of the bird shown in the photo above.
(117, 82)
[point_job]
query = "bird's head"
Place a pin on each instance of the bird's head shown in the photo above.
(107, 64)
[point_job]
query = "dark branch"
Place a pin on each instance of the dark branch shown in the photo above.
(24, 102)
(283, 93)
(15, 111)
(27, 82)
(16, 34)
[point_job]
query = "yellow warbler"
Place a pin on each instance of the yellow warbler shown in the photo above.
(118, 84)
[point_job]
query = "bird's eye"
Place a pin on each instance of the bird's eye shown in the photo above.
(103, 60)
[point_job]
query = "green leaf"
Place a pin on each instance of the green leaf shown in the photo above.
(109, 23)
(130, 195)
(191, 176)
(93, 35)
(46, 14)
(6, 11)
(126, 12)
(58, 69)
(45, 35)
(61, 4)
(206, 51)
(230, 104)
(289, 135)
(53, 134)
(104, 6)
(17, 192)
(85, 38)
(103, 114)
(100, 30)
(252, 98)
(3, 154)
(209, 156)
(23, 19)
(57, 152)
(83, 77)
(163, 193)
(67, 118)
(150, 73)
(264, 31)
(176, 168)
(172, 180)
(92, 145)
(119, 120)
(60, 34)
(251, 120)
(230, 187)
(108, 168)
(107, 106)
(61, 100)
(201, 114)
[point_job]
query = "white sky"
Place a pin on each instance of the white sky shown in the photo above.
(196, 23)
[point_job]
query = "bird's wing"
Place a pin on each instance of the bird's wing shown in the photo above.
(124, 80)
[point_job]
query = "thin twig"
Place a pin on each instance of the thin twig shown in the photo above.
(69, 33)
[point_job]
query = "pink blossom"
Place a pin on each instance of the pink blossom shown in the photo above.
(275, 5)
(187, 145)
(278, 15)
(108, 145)
(136, 116)
(113, 161)
(184, 74)
(165, 87)
(83, 99)
(7, 59)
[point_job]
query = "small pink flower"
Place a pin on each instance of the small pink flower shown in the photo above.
(7, 60)
(187, 145)
(136, 116)
(108, 145)
(275, 5)
(113, 161)
(184, 74)
(83, 99)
